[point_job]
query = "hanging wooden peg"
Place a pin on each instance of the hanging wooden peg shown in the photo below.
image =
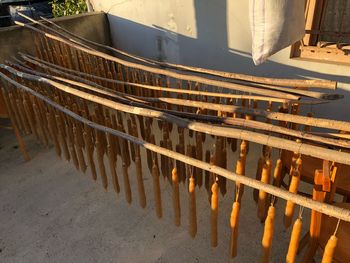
(79, 150)
(199, 156)
(156, 187)
(100, 154)
(62, 136)
(263, 196)
(90, 151)
(293, 188)
(71, 145)
(112, 162)
(180, 148)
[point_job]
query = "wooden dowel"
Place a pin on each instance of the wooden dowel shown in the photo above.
(62, 135)
(132, 148)
(140, 185)
(100, 154)
(39, 124)
(23, 116)
(240, 170)
(112, 163)
(81, 160)
(221, 160)
(180, 148)
(115, 139)
(71, 147)
(15, 111)
(207, 173)
(124, 149)
(259, 168)
(31, 118)
(263, 196)
(13, 124)
(277, 173)
(156, 189)
(127, 188)
(53, 132)
(90, 152)
(148, 139)
(199, 156)
(293, 188)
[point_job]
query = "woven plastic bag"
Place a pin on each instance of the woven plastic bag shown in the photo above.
(275, 24)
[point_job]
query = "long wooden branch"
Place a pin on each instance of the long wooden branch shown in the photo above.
(342, 214)
(269, 81)
(280, 143)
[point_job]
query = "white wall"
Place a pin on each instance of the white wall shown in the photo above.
(211, 34)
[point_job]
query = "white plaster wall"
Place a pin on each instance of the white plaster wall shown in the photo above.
(211, 34)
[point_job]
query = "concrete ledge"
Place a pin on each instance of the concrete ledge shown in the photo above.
(93, 26)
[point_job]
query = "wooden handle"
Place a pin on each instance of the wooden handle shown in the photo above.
(262, 201)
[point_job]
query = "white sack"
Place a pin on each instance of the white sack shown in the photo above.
(275, 24)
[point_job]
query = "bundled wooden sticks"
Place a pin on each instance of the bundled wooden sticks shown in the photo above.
(100, 112)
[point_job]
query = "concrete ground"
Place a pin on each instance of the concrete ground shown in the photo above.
(52, 213)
